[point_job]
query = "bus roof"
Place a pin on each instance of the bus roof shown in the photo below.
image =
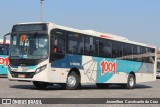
(93, 33)
(33, 23)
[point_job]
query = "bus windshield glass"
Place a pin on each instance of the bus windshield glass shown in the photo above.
(4, 49)
(29, 46)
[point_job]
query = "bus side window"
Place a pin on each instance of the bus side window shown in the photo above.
(96, 47)
(87, 46)
(127, 51)
(143, 52)
(91, 46)
(137, 56)
(151, 56)
(81, 45)
(59, 47)
(73, 43)
(54, 43)
(57, 44)
(105, 48)
(101, 49)
(117, 50)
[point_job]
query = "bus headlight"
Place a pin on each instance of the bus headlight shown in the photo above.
(40, 69)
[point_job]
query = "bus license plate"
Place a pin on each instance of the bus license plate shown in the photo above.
(21, 76)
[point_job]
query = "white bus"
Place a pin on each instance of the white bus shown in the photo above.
(47, 53)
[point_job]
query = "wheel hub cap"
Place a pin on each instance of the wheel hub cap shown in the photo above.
(71, 81)
(131, 81)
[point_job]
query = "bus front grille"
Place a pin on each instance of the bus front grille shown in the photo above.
(22, 74)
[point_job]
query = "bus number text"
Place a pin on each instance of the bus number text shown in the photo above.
(108, 67)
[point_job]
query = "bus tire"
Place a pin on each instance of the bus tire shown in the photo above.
(73, 81)
(130, 82)
(102, 85)
(40, 85)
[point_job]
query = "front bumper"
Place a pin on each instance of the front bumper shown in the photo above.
(28, 76)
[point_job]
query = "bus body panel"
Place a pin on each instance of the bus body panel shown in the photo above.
(4, 64)
(144, 77)
(4, 61)
(27, 70)
(91, 70)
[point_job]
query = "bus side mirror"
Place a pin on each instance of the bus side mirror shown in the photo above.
(4, 40)
(4, 37)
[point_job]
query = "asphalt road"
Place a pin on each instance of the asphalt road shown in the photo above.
(15, 89)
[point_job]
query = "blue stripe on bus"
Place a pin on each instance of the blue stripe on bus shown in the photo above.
(3, 70)
(121, 66)
(75, 61)
(69, 61)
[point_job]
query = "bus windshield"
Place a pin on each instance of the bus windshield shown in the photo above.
(29, 46)
(4, 50)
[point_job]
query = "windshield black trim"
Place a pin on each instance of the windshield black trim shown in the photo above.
(26, 62)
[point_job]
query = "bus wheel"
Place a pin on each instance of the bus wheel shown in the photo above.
(102, 85)
(40, 85)
(73, 81)
(130, 82)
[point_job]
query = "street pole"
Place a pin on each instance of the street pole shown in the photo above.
(41, 10)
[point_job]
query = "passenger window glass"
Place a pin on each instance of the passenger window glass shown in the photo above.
(58, 42)
(96, 47)
(150, 55)
(72, 43)
(105, 48)
(117, 50)
(127, 51)
(137, 56)
(81, 45)
(87, 49)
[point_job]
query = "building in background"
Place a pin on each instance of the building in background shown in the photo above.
(158, 54)
(158, 63)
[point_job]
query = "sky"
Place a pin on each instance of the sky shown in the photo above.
(137, 20)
